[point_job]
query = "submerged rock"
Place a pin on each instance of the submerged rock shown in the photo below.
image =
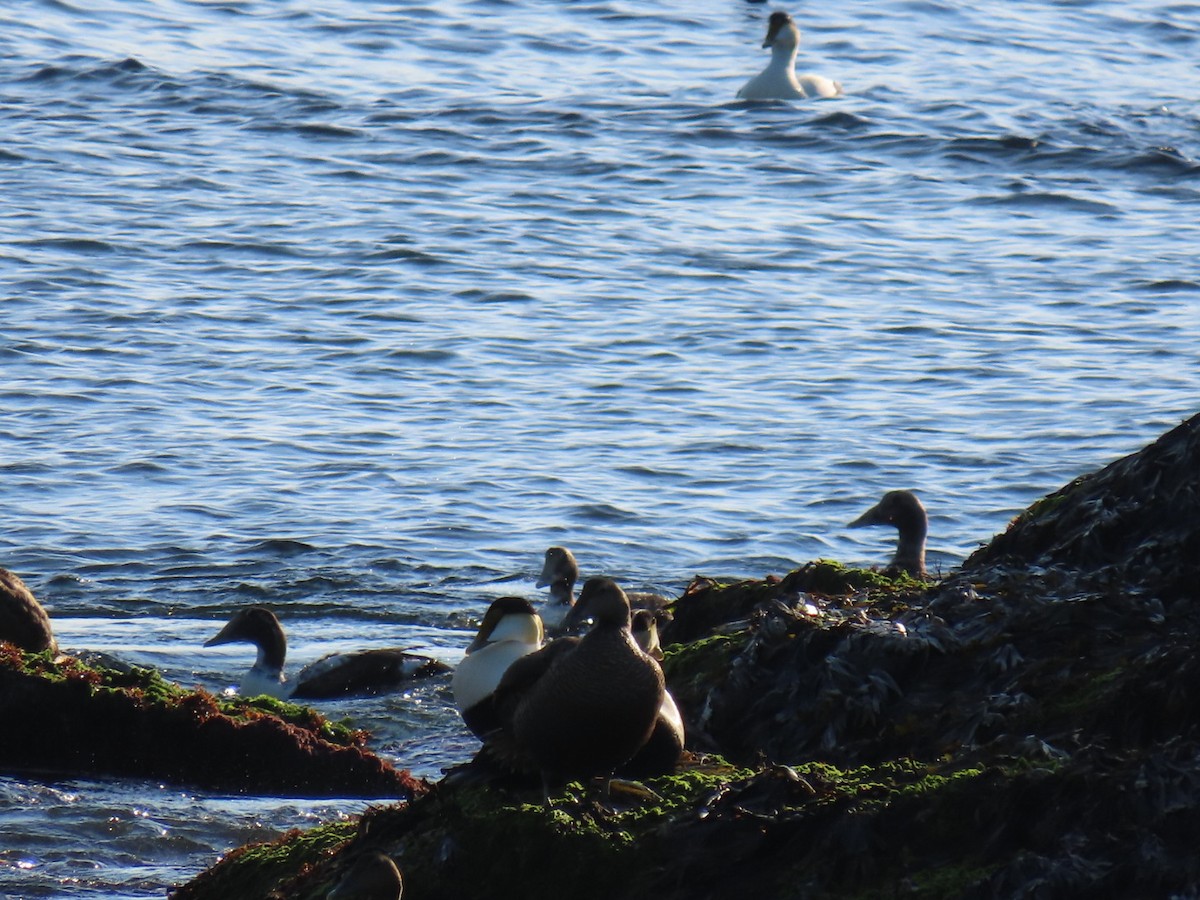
(1026, 727)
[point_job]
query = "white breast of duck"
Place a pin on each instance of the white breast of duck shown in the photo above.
(778, 81)
(334, 675)
(510, 629)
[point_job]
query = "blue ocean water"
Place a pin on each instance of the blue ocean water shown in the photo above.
(353, 308)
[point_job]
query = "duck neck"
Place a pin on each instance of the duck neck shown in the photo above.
(783, 55)
(562, 591)
(910, 545)
(272, 649)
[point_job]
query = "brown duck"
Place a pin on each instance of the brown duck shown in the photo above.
(582, 707)
(23, 622)
(903, 510)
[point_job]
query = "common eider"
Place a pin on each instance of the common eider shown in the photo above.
(334, 675)
(510, 629)
(561, 613)
(559, 573)
(583, 707)
(778, 81)
(903, 510)
(23, 622)
(372, 875)
(660, 754)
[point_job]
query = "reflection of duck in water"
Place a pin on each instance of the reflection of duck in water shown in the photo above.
(583, 707)
(335, 675)
(903, 510)
(510, 630)
(23, 622)
(778, 80)
(373, 875)
(661, 752)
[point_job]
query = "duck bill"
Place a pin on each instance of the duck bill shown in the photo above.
(224, 636)
(870, 517)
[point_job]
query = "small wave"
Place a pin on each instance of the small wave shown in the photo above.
(605, 512)
(1049, 199)
(1160, 161)
(282, 547)
(72, 245)
(253, 248)
(321, 130)
(422, 355)
(1168, 286)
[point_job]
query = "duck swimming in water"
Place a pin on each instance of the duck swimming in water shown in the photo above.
(559, 573)
(510, 629)
(584, 706)
(562, 614)
(903, 510)
(23, 622)
(778, 80)
(373, 875)
(335, 675)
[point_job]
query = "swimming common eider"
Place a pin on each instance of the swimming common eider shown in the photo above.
(373, 875)
(778, 80)
(903, 510)
(559, 573)
(23, 622)
(661, 752)
(510, 629)
(334, 675)
(583, 707)
(562, 614)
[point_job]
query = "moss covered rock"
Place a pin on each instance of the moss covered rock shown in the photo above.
(64, 716)
(1026, 727)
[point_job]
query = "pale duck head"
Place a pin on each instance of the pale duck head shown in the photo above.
(508, 619)
(783, 36)
(645, 631)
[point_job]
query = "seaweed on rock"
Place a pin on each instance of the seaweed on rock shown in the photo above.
(91, 720)
(1026, 727)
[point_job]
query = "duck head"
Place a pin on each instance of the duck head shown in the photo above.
(255, 625)
(559, 571)
(603, 601)
(508, 619)
(782, 33)
(372, 876)
(645, 631)
(903, 511)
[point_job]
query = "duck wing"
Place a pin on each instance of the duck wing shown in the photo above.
(363, 672)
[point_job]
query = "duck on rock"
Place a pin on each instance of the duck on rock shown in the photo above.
(660, 754)
(334, 675)
(510, 629)
(582, 707)
(371, 875)
(778, 81)
(23, 622)
(903, 510)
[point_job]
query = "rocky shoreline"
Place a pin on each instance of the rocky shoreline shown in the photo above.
(1026, 727)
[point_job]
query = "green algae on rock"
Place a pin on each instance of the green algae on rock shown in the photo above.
(91, 720)
(1025, 727)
